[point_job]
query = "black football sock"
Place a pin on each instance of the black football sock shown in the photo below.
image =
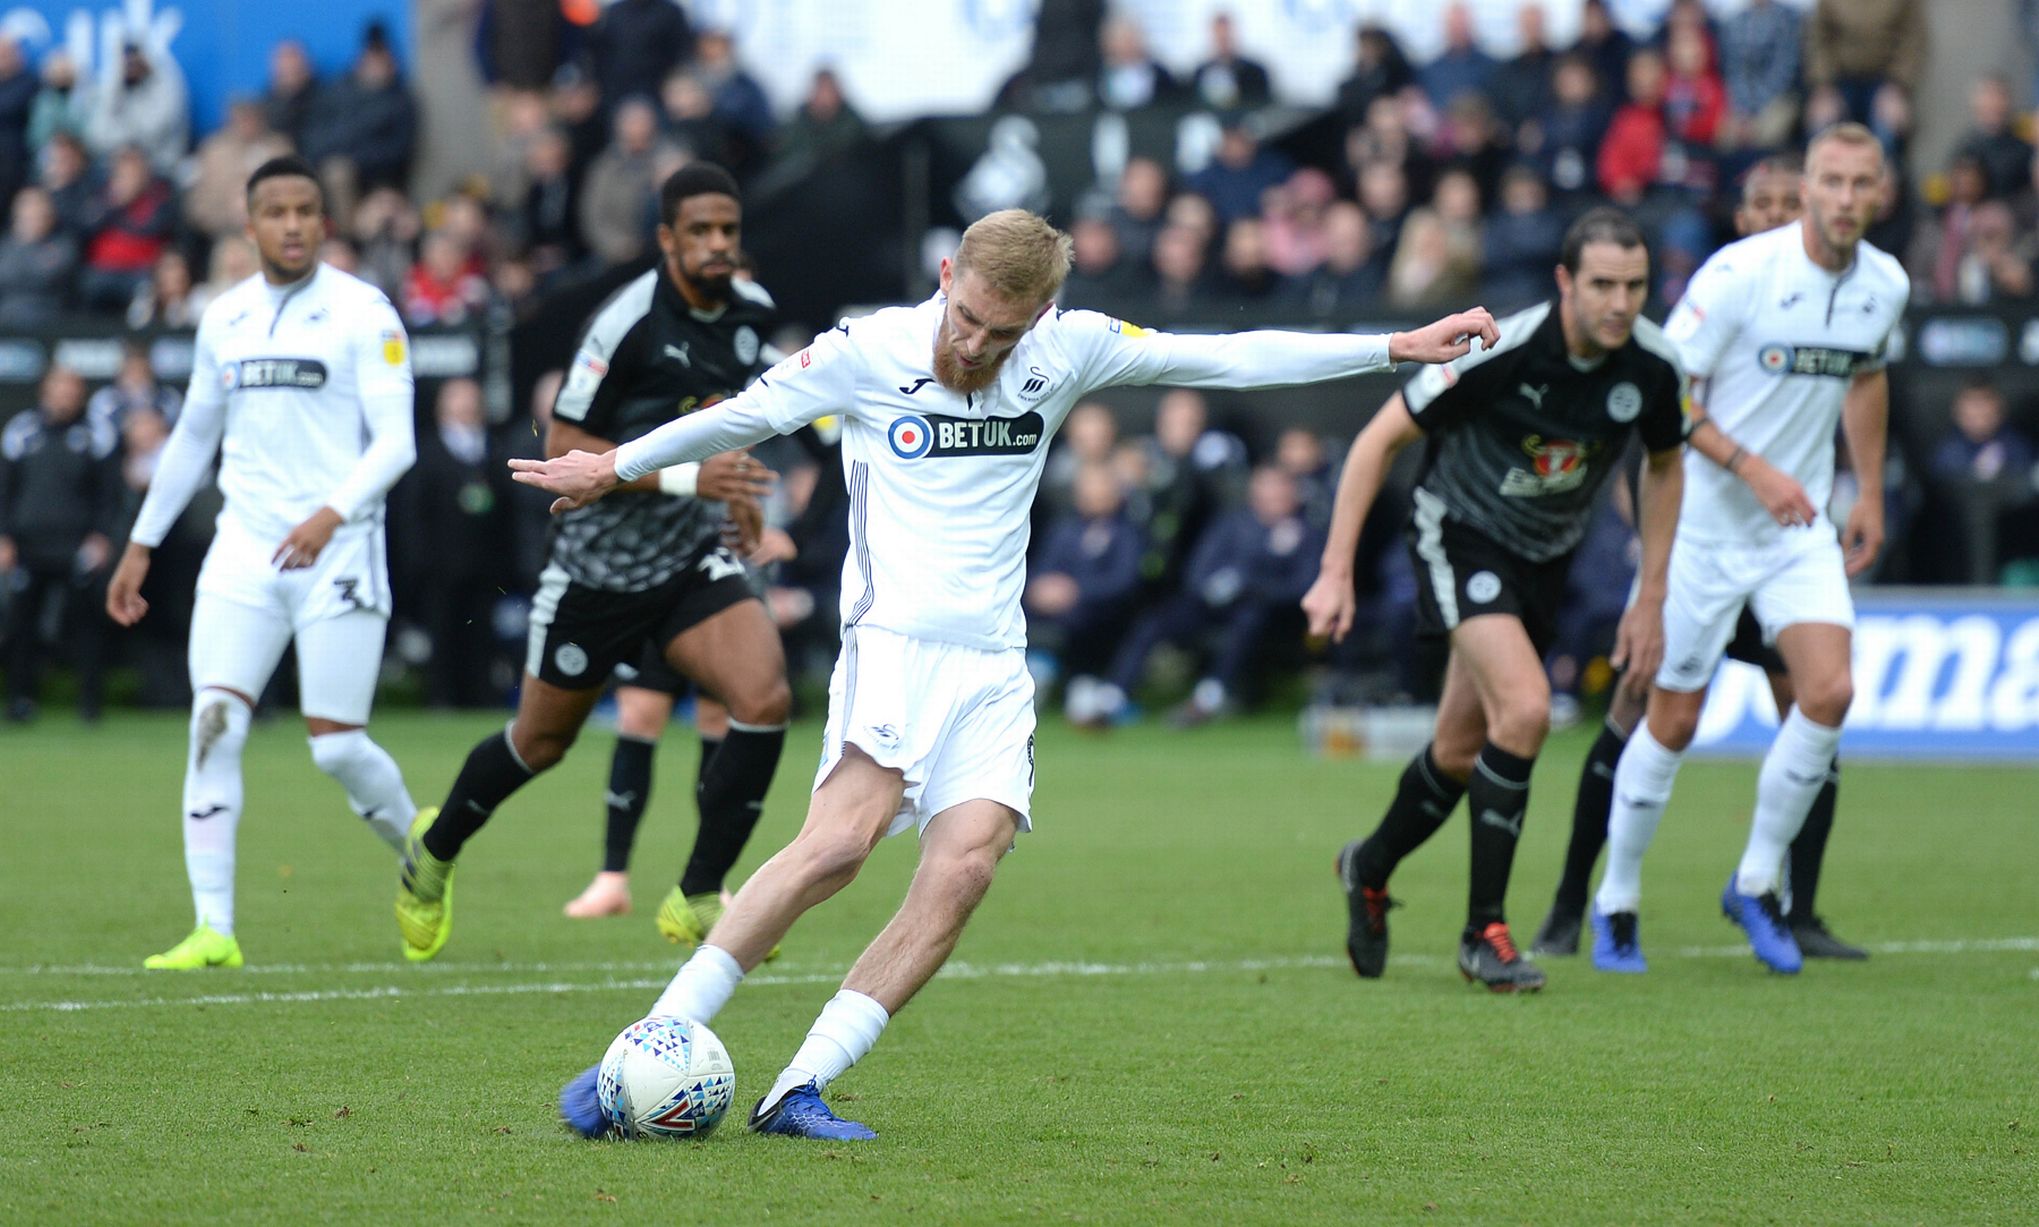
(1809, 850)
(709, 745)
(1594, 801)
(1498, 796)
(1423, 800)
(491, 773)
(731, 796)
(629, 793)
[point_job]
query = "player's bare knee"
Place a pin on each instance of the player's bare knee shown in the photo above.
(767, 706)
(968, 871)
(541, 750)
(1826, 700)
(1522, 724)
(832, 856)
(1673, 724)
(1455, 755)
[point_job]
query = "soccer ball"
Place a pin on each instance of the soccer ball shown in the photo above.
(665, 1077)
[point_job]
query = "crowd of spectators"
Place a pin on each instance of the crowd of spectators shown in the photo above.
(1450, 181)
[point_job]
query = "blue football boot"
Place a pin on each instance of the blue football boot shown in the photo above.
(1616, 945)
(1762, 918)
(800, 1113)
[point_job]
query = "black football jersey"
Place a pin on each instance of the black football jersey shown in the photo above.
(645, 358)
(1521, 434)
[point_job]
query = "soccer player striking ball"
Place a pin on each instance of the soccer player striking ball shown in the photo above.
(1521, 436)
(644, 568)
(1788, 330)
(950, 405)
(1770, 198)
(304, 373)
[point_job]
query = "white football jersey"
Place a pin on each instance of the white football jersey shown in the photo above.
(1777, 339)
(291, 384)
(941, 484)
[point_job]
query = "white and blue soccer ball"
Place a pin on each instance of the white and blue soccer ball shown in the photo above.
(666, 1077)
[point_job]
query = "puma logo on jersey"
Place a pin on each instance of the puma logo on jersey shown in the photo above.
(679, 353)
(1536, 395)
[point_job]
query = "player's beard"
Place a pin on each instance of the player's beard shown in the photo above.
(710, 287)
(954, 376)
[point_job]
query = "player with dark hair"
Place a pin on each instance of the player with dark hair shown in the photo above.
(1770, 198)
(646, 569)
(301, 384)
(1520, 437)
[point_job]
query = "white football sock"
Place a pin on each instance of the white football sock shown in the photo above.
(1642, 787)
(212, 804)
(848, 1027)
(702, 987)
(375, 787)
(1793, 773)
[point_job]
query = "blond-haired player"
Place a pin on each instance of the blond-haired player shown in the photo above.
(1788, 329)
(949, 406)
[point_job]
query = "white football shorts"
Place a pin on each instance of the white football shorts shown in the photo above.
(248, 610)
(957, 722)
(1802, 577)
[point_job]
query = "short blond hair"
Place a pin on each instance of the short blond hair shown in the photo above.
(1847, 133)
(1017, 254)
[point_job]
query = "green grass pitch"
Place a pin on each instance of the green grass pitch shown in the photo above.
(1151, 1019)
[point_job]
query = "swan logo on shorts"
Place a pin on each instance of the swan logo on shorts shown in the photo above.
(911, 437)
(571, 659)
(1483, 587)
(1624, 402)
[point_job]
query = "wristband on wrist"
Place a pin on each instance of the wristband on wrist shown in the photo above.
(680, 479)
(1735, 458)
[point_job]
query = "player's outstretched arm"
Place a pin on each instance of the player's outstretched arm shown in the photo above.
(1330, 604)
(1122, 355)
(1446, 339)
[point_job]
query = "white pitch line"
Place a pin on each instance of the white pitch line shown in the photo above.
(1982, 945)
(961, 971)
(426, 987)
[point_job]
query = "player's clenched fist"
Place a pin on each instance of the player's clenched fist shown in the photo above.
(1330, 605)
(578, 478)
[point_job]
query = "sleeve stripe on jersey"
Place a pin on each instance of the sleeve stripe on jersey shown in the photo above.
(860, 532)
(753, 291)
(613, 321)
(1651, 337)
(1430, 382)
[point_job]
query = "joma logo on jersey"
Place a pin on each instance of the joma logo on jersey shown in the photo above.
(302, 374)
(1811, 360)
(936, 435)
